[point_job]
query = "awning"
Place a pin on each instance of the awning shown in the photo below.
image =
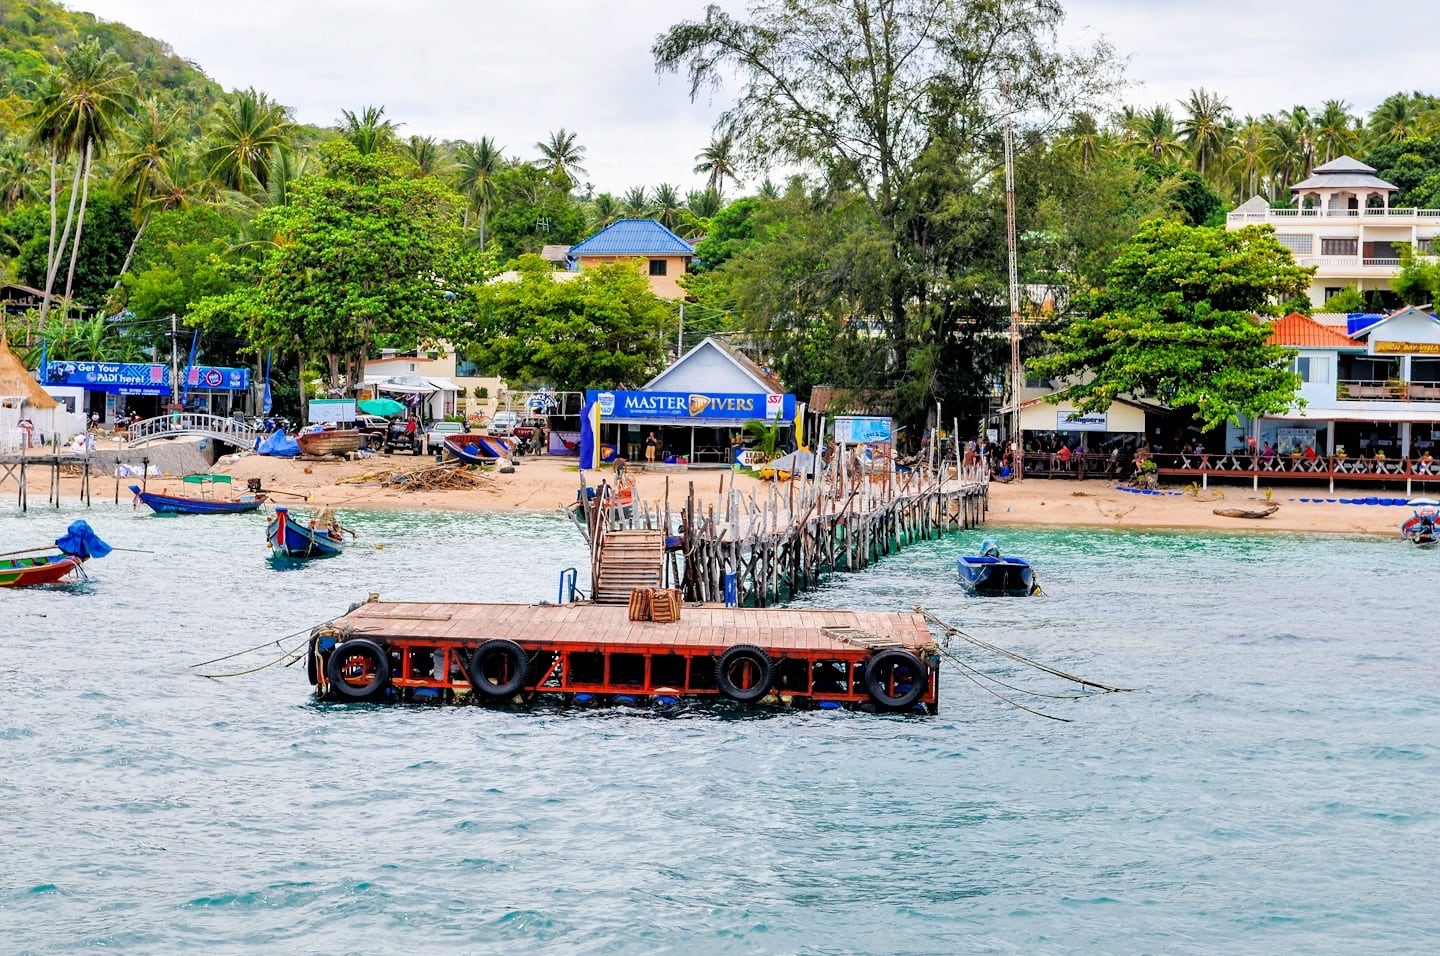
(443, 384)
(403, 386)
(1402, 413)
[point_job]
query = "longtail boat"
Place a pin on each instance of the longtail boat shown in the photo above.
(204, 501)
(989, 573)
(319, 536)
(78, 544)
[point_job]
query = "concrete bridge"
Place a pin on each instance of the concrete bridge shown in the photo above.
(176, 424)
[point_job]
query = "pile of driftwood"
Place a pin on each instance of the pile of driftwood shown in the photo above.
(451, 476)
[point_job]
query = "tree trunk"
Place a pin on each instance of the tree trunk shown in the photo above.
(79, 224)
(53, 266)
(50, 253)
(130, 253)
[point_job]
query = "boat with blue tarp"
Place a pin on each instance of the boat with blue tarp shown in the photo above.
(203, 497)
(1419, 529)
(991, 573)
(473, 448)
(319, 536)
(59, 561)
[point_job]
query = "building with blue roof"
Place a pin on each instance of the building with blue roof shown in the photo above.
(666, 255)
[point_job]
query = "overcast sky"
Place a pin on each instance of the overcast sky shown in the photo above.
(517, 69)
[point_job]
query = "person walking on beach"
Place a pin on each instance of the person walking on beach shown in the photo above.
(652, 445)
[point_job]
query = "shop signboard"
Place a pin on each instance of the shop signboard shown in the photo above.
(860, 430)
(338, 410)
(687, 408)
(1070, 420)
(122, 378)
(220, 379)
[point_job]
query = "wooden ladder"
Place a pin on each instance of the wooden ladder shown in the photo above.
(628, 560)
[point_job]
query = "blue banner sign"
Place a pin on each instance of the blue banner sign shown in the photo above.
(697, 408)
(857, 430)
(225, 379)
(118, 377)
(133, 378)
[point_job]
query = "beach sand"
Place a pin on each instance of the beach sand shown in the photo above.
(545, 484)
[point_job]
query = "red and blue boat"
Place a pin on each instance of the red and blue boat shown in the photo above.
(319, 536)
(475, 449)
(204, 501)
(71, 550)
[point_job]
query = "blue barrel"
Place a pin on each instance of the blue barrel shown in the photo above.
(732, 597)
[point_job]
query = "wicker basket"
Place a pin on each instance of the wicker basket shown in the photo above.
(640, 604)
(665, 605)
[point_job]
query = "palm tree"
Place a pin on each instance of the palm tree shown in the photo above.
(1304, 125)
(1203, 126)
(667, 205)
(1336, 131)
(75, 113)
(703, 203)
(1401, 116)
(1249, 156)
(717, 162)
(767, 190)
(429, 159)
(563, 154)
(143, 166)
(369, 132)
(475, 167)
(1285, 153)
(635, 203)
(18, 172)
(1153, 134)
(604, 209)
(1083, 136)
(243, 135)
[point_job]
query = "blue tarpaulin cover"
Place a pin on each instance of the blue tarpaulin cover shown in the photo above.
(277, 445)
(82, 541)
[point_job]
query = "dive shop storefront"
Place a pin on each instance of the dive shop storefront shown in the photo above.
(113, 389)
(681, 427)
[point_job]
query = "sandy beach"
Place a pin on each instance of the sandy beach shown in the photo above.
(544, 484)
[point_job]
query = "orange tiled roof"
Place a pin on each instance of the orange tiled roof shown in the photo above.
(1301, 331)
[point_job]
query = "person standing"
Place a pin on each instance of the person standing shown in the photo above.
(652, 447)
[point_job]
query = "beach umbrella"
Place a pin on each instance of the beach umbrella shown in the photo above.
(384, 407)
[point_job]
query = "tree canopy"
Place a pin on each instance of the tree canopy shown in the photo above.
(1176, 323)
(601, 328)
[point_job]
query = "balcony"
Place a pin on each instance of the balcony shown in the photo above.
(1389, 390)
(1398, 216)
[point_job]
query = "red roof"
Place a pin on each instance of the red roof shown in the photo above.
(1301, 331)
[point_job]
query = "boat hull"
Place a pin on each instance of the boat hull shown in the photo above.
(337, 442)
(292, 538)
(1012, 577)
(181, 505)
(476, 449)
(45, 569)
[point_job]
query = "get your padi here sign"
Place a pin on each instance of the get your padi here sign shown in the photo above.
(122, 377)
(696, 406)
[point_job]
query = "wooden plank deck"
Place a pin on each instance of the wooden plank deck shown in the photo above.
(608, 626)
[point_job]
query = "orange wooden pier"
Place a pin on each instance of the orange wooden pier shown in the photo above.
(585, 654)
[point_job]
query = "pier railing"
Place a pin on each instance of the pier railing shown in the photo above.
(176, 424)
(758, 547)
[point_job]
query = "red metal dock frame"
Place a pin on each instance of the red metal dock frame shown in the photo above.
(582, 652)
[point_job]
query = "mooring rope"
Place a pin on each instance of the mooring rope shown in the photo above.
(252, 670)
(954, 659)
(968, 673)
(953, 631)
(274, 643)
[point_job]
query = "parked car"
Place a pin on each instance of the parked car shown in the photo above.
(504, 423)
(436, 434)
(375, 429)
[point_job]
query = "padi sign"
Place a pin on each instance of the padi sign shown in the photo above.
(693, 406)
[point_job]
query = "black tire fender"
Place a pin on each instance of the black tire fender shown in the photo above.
(511, 660)
(744, 673)
(343, 656)
(312, 661)
(882, 673)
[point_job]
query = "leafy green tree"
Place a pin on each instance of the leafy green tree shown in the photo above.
(1176, 324)
(894, 106)
(533, 208)
(731, 230)
(362, 251)
(1347, 299)
(604, 328)
(1409, 164)
(102, 247)
(1417, 283)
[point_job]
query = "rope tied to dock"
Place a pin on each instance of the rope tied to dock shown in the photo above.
(295, 653)
(951, 630)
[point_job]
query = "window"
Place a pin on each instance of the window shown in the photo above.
(1313, 369)
(657, 267)
(1332, 290)
(1297, 244)
(1339, 247)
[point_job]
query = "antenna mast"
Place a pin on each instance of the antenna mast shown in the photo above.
(1017, 374)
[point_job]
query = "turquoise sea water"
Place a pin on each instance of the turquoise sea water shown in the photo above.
(1269, 787)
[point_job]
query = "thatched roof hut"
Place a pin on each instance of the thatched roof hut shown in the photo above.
(16, 383)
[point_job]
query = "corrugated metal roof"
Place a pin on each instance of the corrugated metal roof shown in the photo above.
(1343, 164)
(633, 237)
(1301, 331)
(1344, 181)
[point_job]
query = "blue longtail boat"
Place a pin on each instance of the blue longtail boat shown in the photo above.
(989, 573)
(204, 500)
(319, 536)
(476, 449)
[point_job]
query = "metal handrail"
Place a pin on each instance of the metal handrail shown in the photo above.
(174, 424)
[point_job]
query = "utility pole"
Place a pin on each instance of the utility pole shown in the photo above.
(680, 333)
(1017, 374)
(174, 357)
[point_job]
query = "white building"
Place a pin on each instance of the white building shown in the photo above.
(1344, 226)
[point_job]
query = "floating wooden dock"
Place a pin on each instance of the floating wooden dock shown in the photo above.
(585, 654)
